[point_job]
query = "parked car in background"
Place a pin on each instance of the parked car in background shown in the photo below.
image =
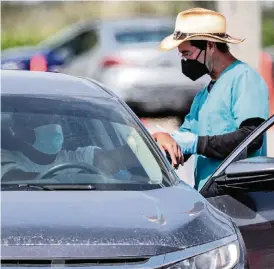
(114, 35)
(54, 52)
(86, 45)
(121, 207)
(151, 81)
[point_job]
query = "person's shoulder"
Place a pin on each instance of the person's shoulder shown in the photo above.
(245, 70)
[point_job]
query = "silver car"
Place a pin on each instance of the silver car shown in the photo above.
(111, 35)
(151, 81)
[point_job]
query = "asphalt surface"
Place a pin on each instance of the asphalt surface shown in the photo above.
(186, 172)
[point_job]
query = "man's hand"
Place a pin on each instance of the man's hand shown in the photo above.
(168, 144)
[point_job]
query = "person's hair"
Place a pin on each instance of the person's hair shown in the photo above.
(201, 44)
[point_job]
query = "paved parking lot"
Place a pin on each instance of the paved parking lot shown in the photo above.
(186, 172)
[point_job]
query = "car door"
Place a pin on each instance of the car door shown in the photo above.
(251, 208)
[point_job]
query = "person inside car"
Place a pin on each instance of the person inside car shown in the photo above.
(36, 148)
(227, 110)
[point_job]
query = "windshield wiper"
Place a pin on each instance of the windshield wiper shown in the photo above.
(53, 187)
(27, 186)
(70, 187)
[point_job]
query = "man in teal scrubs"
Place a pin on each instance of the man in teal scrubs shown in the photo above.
(225, 112)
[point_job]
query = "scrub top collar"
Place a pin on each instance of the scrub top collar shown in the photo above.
(212, 82)
(231, 66)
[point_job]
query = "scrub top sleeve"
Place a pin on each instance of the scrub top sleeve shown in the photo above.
(249, 97)
(187, 125)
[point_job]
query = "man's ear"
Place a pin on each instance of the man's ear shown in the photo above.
(211, 47)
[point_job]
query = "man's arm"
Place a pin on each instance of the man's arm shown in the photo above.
(186, 126)
(170, 142)
(249, 108)
(220, 146)
(249, 99)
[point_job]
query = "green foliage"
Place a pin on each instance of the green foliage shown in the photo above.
(10, 40)
(268, 32)
(28, 25)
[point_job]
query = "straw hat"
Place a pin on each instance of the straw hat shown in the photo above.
(198, 24)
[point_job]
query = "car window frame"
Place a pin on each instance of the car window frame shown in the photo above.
(263, 128)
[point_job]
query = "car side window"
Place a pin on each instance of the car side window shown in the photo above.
(84, 42)
(79, 44)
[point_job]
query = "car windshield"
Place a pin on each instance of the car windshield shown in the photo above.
(95, 141)
(140, 36)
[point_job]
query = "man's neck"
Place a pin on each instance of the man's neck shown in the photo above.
(223, 62)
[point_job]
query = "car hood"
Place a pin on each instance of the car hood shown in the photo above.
(107, 223)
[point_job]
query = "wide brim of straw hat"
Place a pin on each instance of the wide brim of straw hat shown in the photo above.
(170, 43)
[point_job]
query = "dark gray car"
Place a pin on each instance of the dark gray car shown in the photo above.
(243, 188)
(107, 198)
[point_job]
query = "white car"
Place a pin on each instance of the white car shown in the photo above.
(151, 81)
(109, 36)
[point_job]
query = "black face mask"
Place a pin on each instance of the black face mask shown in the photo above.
(193, 68)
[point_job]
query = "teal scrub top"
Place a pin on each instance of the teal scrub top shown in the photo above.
(238, 94)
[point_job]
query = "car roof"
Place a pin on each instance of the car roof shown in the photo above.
(46, 83)
(125, 21)
(107, 26)
(115, 23)
(149, 21)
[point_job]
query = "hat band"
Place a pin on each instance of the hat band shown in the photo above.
(178, 35)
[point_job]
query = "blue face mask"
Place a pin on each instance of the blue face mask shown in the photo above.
(49, 138)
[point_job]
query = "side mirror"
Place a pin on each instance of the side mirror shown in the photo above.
(250, 172)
